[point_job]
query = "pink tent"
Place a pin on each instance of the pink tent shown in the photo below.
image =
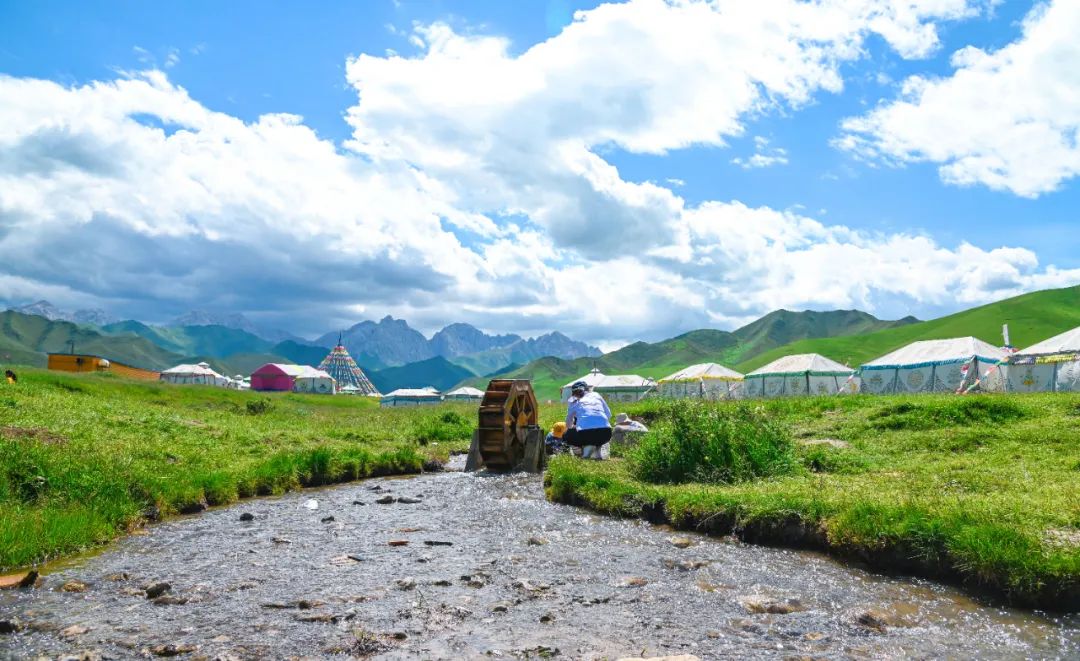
(275, 377)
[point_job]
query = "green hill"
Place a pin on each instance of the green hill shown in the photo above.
(784, 326)
(27, 338)
(216, 341)
(659, 359)
(1031, 318)
(437, 372)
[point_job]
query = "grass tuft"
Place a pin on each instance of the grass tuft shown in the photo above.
(942, 413)
(695, 442)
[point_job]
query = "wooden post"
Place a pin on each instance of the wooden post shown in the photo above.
(474, 462)
(535, 456)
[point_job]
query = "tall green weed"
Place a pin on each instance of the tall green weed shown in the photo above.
(702, 442)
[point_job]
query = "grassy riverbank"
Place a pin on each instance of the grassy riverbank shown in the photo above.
(83, 458)
(984, 490)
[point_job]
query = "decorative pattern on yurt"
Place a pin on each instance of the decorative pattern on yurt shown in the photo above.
(948, 365)
(1052, 365)
(314, 381)
(704, 381)
(348, 375)
(801, 374)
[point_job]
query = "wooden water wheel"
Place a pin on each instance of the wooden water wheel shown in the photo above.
(509, 417)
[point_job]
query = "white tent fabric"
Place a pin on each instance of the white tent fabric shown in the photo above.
(411, 397)
(199, 374)
(935, 366)
(623, 387)
(703, 381)
(593, 378)
(311, 380)
(800, 374)
(465, 393)
(1050, 366)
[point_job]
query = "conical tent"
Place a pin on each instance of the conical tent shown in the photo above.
(1050, 365)
(340, 365)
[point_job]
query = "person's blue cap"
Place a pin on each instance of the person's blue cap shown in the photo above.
(580, 385)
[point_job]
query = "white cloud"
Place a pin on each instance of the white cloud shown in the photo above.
(764, 156)
(1007, 119)
(474, 187)
(522, 133)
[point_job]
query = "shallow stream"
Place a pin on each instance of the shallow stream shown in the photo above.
(521, 578)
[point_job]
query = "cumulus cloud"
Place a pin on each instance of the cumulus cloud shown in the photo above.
(475, 186)
(522, 132)
(1006, 119)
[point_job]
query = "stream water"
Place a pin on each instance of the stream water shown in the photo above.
(521, 578)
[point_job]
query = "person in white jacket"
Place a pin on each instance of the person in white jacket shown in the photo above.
(588, 421)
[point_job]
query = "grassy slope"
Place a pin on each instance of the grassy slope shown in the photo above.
(1031, 318)
(84, 457)
(215, 341)
(31, 334)
(983, 489)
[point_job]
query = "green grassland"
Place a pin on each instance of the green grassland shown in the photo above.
(982, 490)
(84, 458)
(1031, 318)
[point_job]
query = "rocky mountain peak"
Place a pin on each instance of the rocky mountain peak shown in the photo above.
(461, 339)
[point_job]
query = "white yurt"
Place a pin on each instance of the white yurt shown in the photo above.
(199, 374)
(411, 397)
(624, 387)
(702, 381)
(801, 374)
(1052, 365)
(465, 394)
(935, 366)
(311, 380)
(593, 378)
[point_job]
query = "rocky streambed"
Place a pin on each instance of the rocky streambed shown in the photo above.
(457, 566)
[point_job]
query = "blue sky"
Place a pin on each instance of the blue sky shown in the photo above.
(245, 60)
